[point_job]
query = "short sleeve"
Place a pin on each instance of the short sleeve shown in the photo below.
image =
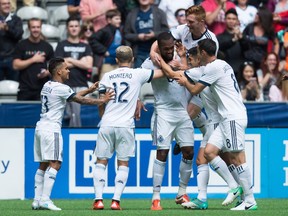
(64, 91)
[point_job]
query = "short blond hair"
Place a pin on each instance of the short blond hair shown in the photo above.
(124, 54)
(198, 11)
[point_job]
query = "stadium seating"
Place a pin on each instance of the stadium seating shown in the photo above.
(52, 34)
(28, 12)
(58, 18)
(8, 90)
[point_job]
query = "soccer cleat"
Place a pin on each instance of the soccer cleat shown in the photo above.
(245, 207)
(156, 205)
(35, 205)
(98, 205)
(115, 205)
(182, 199)
(239, 202)
(232, 195)
(195, 204)
(48, 205)
(176, 149)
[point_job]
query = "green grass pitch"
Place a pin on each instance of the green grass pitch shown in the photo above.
(132, 207)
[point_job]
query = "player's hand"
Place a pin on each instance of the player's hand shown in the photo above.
(181, 80)
(109, 95)
(180, 49)
(175, 64)
(159, 59)
(139, 107)
(94, 87)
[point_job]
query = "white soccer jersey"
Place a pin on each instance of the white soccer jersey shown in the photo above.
(219, 76)
(246, 16)
(209, 103)
(53, 99)
(169, 95)
(126, 83)
(183, 33)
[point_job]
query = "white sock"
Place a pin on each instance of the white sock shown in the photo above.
(200, 122)
(245, 181)
(235, 175)
(49, 180)
(202, 181)
(38, 185)
(221, 168)
(158, 173)
(99, 180)
(185, 174)
(120, 181)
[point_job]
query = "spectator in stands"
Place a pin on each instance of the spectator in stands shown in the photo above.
(95, 11)
(25, 3)
(248, 82)
(246, 13)
(259, 37)
(279, 91)
(268, 73)
(143, 25)
(105, 42)
(78, 57)
(180, 16)
(229, 41)
(86, 31)
(11, 31)
(284, 63)
(280, 18)
(215, 14)
(73, 7)
(30, 58)
(170, 7)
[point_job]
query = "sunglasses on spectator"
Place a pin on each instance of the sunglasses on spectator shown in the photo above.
(248, 63)
(88, 28)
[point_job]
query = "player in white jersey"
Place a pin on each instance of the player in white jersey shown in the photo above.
(48, 142)
(116, 133)
(190, 34)
(170, 120)
(214, 118)
(230, 134)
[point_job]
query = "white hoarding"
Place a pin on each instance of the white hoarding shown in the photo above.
(12, 163)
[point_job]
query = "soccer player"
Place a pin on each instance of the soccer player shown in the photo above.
(48, 143)
(210, 105)
(116, 133)
(230, 134)
(190, 34)
(170, 120)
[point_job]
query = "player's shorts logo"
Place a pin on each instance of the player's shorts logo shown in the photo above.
(160, 139)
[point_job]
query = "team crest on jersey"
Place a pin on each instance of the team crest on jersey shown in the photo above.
(160, 139)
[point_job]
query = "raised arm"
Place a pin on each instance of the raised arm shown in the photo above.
(79, 97)
(194, 89)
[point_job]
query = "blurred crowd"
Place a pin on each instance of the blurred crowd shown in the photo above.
(252, 35)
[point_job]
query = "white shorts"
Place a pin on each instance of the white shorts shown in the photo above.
(229, 135)
(48, 146)
(209, 130)
(165, 129)
(121, 140)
